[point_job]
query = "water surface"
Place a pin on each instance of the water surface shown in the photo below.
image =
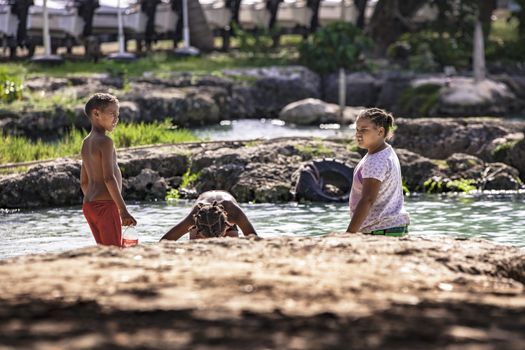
(499, 218)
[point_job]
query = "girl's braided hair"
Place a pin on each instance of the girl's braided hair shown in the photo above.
(210, 219)
(380, 118)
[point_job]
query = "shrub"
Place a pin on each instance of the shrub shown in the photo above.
(11, 84)
(338, 45)
(430, 51)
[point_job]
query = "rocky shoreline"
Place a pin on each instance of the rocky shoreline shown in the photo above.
(337, 291)
(460, 155)
(189, 99)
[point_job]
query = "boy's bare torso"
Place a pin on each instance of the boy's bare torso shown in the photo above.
(92, 159)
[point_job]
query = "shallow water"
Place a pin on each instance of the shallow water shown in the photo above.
(500, 218)
(247, 129)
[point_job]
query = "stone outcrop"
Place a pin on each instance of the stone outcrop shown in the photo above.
(191, 99)
(261, 171)
(439, 138)
(332, 292)
(362, 89)
(457, 96)
(313, 111)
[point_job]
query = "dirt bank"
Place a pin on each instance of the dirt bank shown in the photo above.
(332, 292)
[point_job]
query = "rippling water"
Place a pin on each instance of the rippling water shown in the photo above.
(500, 218)
(247, 129)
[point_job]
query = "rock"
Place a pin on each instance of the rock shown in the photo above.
(416, 169)
(464, 97)
(223, 176)
(54, 185)
(516, 156)
(184, 107)
(465, 166)
(499, 176)
(439, 138)
(309, 112)
(261, 171)
(458, 97)
(271, 89)
(336, 291)
(393, 86)
(147, 185)
(362, 89)
(311, 81)
(45, 124)
(312, 111)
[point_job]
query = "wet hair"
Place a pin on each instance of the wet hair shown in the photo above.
(379, 117)
(210, 219)
(99, 101)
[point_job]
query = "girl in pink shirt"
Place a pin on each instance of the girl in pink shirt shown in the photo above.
(376, 199)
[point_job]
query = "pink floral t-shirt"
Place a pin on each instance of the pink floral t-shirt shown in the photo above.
(388, 209)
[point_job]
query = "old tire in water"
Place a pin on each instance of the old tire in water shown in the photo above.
(324, 180)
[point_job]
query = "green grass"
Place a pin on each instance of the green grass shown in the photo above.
(318, 149)
(44, 101)
(157, 63)
(14, 149)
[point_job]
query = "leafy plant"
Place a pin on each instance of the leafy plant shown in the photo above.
(11, 84)
(338, 45)
(436, 185)
(189, 178)
(260, 41)
(419, 101)
(429, 50)
(173, 194)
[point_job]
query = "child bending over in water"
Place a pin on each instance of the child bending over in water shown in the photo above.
(214, 214)
(376, 198)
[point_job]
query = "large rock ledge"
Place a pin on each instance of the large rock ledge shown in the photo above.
(337, 292)
(192, 99)
(260, 171)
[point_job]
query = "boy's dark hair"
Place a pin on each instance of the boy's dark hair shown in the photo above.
(99, 101)
(210, 219)
(379, 117)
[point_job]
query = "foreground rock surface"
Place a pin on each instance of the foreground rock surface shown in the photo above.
(336, 292)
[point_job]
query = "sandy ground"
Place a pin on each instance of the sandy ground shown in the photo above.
(332, 292)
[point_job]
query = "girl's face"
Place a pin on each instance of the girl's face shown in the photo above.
(108, 117)
(368, 135)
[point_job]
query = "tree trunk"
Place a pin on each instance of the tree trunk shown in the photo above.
(361, 10)
(478, 58)
(342, 93)
(392, 18)
(486, 8)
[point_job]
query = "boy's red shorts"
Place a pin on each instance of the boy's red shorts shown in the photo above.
(103, 218)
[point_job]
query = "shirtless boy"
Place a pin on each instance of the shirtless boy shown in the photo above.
(100, 176)
(214, 214)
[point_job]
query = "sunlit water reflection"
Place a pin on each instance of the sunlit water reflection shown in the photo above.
(500, 218)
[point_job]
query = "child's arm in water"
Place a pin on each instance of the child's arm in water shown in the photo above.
(369, 195)
(236, 216)
(108, 171)
(84, 180)
(182, 227)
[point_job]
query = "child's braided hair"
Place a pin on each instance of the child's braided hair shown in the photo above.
(379, 117)
(210, 219)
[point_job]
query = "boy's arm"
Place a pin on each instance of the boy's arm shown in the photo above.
(181, 228)
(108, 172)
(369, 195)
(84, 180)
(236, 216)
